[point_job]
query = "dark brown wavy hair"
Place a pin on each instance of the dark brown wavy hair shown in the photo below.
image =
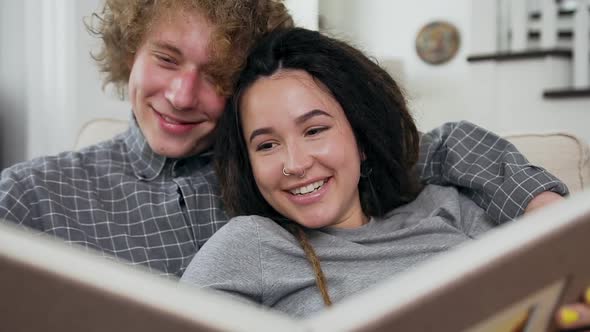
(373, 104)
(122, 25)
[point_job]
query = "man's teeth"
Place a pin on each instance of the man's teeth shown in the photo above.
(169, 120)
(309, 188)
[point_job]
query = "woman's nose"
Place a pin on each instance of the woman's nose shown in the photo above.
(297, 161)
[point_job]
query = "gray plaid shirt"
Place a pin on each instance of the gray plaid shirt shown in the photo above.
(127, 202)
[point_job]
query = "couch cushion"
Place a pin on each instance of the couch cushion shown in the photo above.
(562, 154)
(98, 130)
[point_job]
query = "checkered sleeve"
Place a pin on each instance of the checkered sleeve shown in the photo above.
(485, 167)
(13, 200)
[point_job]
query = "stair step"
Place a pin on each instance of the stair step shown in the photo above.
(566, 93)
(536, 15)
(530, 54)
(562, 13)
(561, 34)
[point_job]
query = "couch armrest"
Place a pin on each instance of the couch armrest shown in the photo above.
(563, 155)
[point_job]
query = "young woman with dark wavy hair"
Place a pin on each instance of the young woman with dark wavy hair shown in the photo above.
(316, 154)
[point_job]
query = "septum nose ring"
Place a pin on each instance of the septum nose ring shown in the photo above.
(285, 173)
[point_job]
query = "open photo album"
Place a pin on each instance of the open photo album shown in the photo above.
(512, 279)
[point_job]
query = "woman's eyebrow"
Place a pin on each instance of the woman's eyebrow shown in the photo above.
(304, 117)
(299, 120)
(260, 131)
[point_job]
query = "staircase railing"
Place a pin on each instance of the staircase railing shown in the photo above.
(581, 40)
(514, 30)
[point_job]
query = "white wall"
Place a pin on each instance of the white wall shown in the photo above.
(505, 97)
(508, 97)
(49, 85)
(64, 87)
(304, 12)
(387, 29)
(12, 83)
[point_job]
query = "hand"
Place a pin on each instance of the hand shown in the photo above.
(575, 316)
(542, 200)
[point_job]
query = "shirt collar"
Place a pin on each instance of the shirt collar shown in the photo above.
(148, 165)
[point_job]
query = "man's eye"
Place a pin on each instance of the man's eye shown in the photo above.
(265, 146)
(165, 59)
(315, 130)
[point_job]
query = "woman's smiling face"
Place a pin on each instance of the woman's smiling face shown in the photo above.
(302, 150)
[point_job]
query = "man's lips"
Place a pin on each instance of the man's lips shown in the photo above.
(175, 121)
(175, 126)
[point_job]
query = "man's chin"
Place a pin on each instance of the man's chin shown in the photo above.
(171, 151)
(179, 147)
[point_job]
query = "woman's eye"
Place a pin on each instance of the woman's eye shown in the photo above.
(265, 146)
(314, 131)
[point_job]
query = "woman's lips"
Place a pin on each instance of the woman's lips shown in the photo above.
(312, 197)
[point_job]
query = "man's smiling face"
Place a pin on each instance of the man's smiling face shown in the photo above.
(174, 101)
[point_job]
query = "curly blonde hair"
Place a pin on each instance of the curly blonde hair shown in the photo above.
(238, 24)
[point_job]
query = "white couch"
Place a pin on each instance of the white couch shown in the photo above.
(98, 130)
(563, 154)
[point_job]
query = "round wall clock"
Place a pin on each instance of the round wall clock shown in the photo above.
(437, 42)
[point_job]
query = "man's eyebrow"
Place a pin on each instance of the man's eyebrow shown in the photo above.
(166, 46)
(299, 120)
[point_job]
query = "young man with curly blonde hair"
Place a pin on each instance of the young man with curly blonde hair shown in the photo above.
(150, 195)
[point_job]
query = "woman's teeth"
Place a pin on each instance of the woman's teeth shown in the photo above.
(309, 188)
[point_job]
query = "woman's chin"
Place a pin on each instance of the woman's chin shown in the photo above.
(312, 222)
